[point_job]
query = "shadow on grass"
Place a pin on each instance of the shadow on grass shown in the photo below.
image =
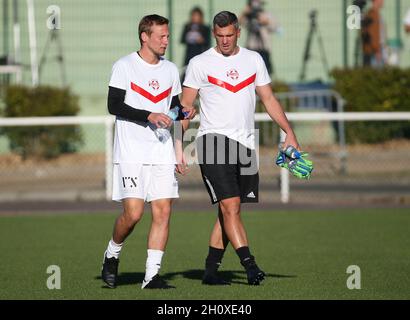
(238, 277)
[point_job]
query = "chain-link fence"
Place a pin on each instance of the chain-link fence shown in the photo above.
(355, 172)
(351, 173)
(94, 34)
(79, 174)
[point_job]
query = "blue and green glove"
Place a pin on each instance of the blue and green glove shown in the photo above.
(296, 162)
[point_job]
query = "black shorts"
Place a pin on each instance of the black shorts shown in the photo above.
(228, 168)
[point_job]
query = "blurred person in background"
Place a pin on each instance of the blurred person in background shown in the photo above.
(260, 25)
(374, 36)
(407, 22)
(196, 35)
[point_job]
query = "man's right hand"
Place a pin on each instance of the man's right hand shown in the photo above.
(189, 113)
(291, 140)
(161, 120)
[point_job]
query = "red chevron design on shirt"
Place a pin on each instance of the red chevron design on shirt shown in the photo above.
(230, 87)
(149, 96)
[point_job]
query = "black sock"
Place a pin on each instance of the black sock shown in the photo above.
(214, 258)
(245, 256)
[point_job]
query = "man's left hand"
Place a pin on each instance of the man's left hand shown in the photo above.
(181, 166)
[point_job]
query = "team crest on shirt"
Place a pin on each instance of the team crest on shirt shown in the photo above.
(233, 74)
(154, 84)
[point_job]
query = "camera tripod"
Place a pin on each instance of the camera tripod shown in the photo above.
(54, 36)
(313, 29)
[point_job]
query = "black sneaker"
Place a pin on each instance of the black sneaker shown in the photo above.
(254, 274)
(109, 271)
(156, 283)
(213, 279)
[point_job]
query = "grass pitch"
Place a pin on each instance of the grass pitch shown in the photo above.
(305, 255)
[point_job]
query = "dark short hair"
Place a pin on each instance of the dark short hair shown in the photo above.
(197, 10)
(225, 18)
(148, 21)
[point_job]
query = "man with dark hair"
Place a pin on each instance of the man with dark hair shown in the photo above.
(143, 88)
(196, 35)
(226, 77)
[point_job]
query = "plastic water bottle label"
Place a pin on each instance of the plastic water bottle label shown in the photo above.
(292, 152)
(163, 133)
(173, 113)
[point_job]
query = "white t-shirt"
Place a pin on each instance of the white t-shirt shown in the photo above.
(227, 92)
(148, 87)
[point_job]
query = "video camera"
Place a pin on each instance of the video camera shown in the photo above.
(256, 7)
(313, 14)
(360, 3)
(365, 22)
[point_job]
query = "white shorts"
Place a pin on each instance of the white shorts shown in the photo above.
(144, 181)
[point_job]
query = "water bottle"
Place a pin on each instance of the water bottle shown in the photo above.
(162, 133)
(292, 152)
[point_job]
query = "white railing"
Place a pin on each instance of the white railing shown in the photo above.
(108, 122)
(328, 116)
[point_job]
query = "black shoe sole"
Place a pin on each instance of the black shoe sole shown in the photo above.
(156, 286)
(107, 283)
(159, 288)
(259, 278)
(111, 286)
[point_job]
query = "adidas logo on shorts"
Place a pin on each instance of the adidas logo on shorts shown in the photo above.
(251, 195)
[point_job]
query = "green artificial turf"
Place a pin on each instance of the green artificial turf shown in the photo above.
(305, 255)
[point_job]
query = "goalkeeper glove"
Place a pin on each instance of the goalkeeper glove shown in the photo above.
(296, 162)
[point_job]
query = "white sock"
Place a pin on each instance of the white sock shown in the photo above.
(113, 249)
(153, 263)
